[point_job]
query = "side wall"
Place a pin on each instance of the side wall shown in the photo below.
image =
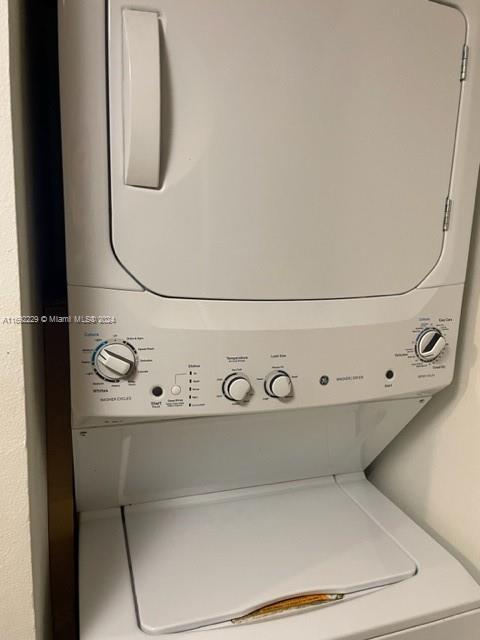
(432, 469)
(24, 601)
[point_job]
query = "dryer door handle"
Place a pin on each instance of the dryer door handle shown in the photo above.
(141, 98)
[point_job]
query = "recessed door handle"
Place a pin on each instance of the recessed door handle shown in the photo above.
(141, 98)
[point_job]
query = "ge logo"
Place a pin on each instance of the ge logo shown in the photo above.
(324, 380)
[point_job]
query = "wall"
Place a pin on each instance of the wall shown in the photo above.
(23, 509)
(432, 469)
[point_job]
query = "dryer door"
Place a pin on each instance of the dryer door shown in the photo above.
(281, 149)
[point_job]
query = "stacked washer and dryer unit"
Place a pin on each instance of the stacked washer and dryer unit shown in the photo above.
(268, 214)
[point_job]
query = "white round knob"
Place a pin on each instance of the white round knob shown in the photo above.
(278, 384)
(236, 387)
(115, 361)
(430, 344)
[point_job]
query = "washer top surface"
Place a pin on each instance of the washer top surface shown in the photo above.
(208, 559)
(306, 147)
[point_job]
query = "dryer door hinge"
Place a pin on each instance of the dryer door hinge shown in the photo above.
(463, 68)
(447, 213)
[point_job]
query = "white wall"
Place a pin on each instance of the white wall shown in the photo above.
(23, 508)
(432, 469)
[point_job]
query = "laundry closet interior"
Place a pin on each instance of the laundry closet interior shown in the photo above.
(268, 210)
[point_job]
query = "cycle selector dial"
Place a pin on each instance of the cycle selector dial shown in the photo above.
(430, 344)
(115, 361)
(236, 387)
(278, 384)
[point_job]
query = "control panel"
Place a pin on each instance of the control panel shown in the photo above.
(117, 360)
(133, 368)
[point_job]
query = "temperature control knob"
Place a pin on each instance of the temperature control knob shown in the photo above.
(278, 384)
(430, 344)
(115, 361)
(236, 387)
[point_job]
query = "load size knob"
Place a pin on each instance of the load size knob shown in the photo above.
(236, 387)
(430, 344)
(278, 384)
(115, 361)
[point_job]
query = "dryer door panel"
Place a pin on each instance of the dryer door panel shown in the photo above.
(304, 149)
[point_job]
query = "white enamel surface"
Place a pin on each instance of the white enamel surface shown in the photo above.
(197, 345)
(141, 105)
(83, 103)
(107, 610)
(92, 262)
(452, 265)
(135, 463)
(226, 554)
(302, 165)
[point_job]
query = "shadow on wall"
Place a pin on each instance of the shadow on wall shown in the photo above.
(432, 469)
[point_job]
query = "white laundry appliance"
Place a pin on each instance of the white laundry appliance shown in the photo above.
(268, 214)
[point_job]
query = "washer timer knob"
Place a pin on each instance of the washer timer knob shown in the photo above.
(278, 384)
(236, 387)
(430, 344)
(115, 361)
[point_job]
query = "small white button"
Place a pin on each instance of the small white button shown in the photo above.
(176, 390)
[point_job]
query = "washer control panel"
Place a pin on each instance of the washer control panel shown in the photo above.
(136, 369)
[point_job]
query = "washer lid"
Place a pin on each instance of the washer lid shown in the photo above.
(208, 559)
(305, 146)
